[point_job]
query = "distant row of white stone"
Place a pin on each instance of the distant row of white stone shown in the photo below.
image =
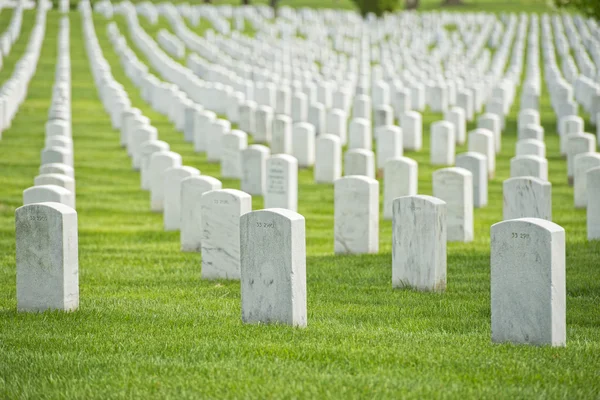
(11, 34)
(14, 90)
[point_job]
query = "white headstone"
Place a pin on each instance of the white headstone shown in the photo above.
(576, 144)
(273, 267)
(400, 178)
(328, 160)
(583, 163)
(593, 205)
(476, 163)
(281, 182)
(455, 187)
(442, 143)
(527, 197)
(46, 257)
(491, 122)
(531, 147)
(359, 162)
(57, 168)
(412, 130)
(172, 195)
(146, 151)
(221, 212)
(48, 194)
(233, 143)
(192, 189)
(159, 163)
(356, 215)
(282, 135)
(456, 116)
(303, 144)
(528, 289)
(482, 141)
(419, 243)
(254, 166)
(359, 134)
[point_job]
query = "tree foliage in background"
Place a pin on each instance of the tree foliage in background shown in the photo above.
(590, 8)
(377, 7)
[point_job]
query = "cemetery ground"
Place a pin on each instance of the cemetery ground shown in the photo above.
(147, 324)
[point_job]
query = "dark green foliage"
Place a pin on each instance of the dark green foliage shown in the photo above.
(590, 8)
(377, 7)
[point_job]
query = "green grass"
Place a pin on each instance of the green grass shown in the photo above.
(149, 327)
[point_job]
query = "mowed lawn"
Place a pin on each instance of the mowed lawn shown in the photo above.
(149, 327)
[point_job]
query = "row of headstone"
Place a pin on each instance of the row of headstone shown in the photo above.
(11, 33)
(56, 179)
(46, 225)
(14, 90)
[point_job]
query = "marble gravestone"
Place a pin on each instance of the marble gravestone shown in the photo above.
(273, 267)
(419, 243)
(281, 182)
(531, 147)
(233, 143)
(282, 135)
(582, 164)
(528, 289)
(254, 167)
(159, 163)
(146, 151)
(328, 160)
(527, 197)
(442, 143)
(491, 122)
(412, 130)
(389, 144)
(476, 163)
(576, 144)
(192, 189)
(593, 205)
(356, 215)
(456, 116)
(455, 187)
(57, 168)
(56, 179)
(172, 195)
(400, 178)
(359, 162)
(529, 166)
(359, 134)
(482, 141)
(48, 194)
(220, 218)
(47, 257)
(303, 144)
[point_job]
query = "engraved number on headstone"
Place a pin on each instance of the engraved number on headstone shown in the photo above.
(516, 235)
(265, 225)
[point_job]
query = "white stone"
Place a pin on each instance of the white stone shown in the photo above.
(456, 116)
(57, 155)
(299, 107)
(578, 143)
(389, 144)
(383, 115)
(529, 166)
(455, 187)
(528, 289)
(303, 144)
(172, 195)
(159, 163)
(281, 182)
(248, 117)
(146, 151)
(202, 125)
(527, 117)
(531, 131)
(400, 178)
(491, 122)
(57, 168)
(362, 107)
(569, 125)
(192, 189)
(214, 139)
(356, 215)
(527, 197)
(482, 141)
(48, 193)
(233, 143)
(328, 160)
(140, 136)
(337, 125)
(442, 143)
(531, 147)
(476, 163)
(316, 117)
(359, 162)
(221, 212)
(47, 257)
(419, 243)
(412, 130)
(593, 205)
(254, 166)
(273, 268)
(282, 135)
(58, 180)
(359, 134)
(263, 124)
(583, 163)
